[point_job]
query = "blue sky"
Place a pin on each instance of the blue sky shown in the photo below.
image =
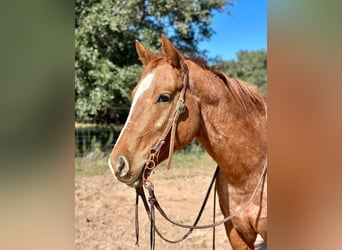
(245, 28)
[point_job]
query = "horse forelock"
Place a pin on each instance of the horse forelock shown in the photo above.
(149, 68)
(152, 65)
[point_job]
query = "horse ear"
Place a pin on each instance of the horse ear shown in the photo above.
(172, 55)
(144, 54)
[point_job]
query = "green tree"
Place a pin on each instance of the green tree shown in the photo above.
(250, 67)
(106, 64)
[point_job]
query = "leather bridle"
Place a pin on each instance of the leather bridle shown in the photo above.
(171, 126)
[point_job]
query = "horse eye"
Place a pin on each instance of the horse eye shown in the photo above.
(163, 98)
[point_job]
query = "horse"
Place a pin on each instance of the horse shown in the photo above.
(226, 116)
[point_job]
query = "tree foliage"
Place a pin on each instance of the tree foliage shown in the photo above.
(249, 67)
(106, 64)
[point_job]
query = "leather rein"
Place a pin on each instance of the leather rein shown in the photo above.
(152, 203)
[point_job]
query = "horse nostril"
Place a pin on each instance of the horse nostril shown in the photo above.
(122, 166)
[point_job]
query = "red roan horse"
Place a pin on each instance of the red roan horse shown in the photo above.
(226, 116)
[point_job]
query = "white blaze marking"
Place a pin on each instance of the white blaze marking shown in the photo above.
(144, 85)
(110, 166)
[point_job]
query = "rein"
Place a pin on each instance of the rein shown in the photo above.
(155, 204)
(150, 212)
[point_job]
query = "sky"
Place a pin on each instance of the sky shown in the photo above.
(245, 28)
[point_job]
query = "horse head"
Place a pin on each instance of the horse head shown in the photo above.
(154, 101)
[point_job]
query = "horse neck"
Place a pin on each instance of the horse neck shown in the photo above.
(234, 136)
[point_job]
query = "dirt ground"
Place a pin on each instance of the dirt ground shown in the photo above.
(104, 211)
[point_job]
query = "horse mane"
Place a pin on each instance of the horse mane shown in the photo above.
(246, 95)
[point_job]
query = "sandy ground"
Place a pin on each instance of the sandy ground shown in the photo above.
(104, 211)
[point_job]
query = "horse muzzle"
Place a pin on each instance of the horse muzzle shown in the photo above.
(120, 167)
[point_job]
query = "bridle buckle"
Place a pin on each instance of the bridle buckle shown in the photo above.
(181, 107)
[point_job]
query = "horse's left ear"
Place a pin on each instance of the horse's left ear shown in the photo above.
(144, 54)
(172, 55)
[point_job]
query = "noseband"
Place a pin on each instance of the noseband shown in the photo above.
(171, 126)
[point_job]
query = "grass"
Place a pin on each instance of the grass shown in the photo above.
(92, 125)
(96, 163)
(190, 160)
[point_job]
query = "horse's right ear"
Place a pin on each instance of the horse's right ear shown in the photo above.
(144, 54)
